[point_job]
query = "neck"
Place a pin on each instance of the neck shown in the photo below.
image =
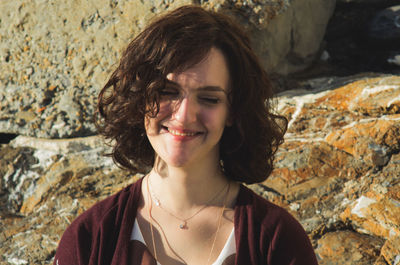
(185, 188)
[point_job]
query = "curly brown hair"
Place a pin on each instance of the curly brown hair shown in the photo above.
(175, 42)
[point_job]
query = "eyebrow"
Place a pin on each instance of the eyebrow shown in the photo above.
(204, 88)
(211, 88)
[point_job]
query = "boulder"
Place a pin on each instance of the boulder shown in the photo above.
(338, 169)
(46, 184)
(56, 55)
(343, 246)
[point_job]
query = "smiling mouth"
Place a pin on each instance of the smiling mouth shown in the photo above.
(181, 132)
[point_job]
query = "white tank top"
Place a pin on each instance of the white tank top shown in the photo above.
(228, 250)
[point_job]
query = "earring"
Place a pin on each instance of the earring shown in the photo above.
(221, 164)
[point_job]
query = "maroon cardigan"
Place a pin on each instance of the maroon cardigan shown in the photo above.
(264, 232)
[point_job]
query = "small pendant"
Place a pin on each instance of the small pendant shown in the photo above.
(183, 225)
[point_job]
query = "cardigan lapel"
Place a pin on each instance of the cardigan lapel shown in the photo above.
(245, 229)
(125, 221)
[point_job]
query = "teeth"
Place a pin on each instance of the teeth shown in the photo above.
(180, 133)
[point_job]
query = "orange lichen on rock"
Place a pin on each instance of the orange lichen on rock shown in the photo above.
(374, 134)
(340, 99)
(377, 217)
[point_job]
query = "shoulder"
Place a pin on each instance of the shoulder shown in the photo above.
(281, 237)
(96, 226)
(111, 206)
(263, 211)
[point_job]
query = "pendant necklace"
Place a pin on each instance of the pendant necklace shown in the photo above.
(184, 221)
(216, 232)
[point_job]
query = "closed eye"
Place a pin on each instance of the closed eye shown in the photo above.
(209, 100)
(169, 92)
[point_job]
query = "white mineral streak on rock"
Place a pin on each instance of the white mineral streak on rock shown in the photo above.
(367, 91)
(384, 85)
(298, 98)
(13, 195)
(368, 120)
(94, 157)
(66, 212)
(58, 146)
(21, 180)
(345, 202)
(307, 137)
(44, 207)
(395, 202)
(392, 233)
(44, 158)
(362, 202)
(396, 99)
(16, 261)
(396, 260)
(58, 126)
(49, 241)
(389, 118)
(294, 206)
(9, 173)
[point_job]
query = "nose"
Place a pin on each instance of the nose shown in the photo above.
(185, 111)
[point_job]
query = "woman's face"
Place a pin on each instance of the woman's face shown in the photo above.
(194, 111)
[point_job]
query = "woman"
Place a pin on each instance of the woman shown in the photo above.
(189, 99)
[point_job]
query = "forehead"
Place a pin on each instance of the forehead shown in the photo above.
(211, 71)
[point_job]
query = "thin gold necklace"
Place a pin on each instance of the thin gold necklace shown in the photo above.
(150, 218)
(184, 221)
(219, 224)
(151, 225)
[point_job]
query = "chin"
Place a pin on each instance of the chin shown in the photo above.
(177, 162)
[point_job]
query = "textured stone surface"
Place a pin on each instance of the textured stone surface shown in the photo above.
(344, 246)
(56, 55)
(390, 251)
(337, 173)
(46, 184)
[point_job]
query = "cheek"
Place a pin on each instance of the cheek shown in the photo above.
(165, 109)
(215, 119)
(152, 124)
(148, 124)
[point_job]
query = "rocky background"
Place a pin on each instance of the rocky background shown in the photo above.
(338, 171)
